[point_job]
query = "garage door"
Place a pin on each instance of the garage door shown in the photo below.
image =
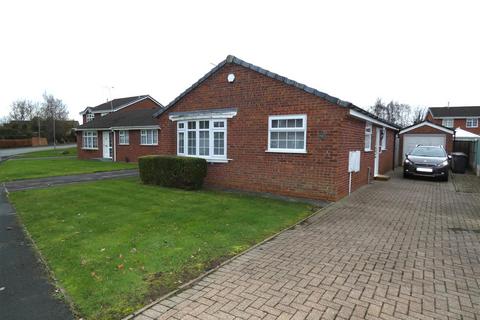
(411, 140)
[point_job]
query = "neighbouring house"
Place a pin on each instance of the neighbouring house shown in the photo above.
(128, 132)
(122, 104)
(259, 132)
(465, 118)
(425, 133)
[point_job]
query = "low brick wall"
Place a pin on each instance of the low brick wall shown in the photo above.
(18, 143)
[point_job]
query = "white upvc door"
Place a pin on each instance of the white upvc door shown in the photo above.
(107, 145)
(377, 152)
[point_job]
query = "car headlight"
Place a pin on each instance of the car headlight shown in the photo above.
(443, 164)
(408, 161)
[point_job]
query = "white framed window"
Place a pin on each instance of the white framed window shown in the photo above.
(368, 136)
(203, 138)
(472, 122)
(447, 123)
(384, 139)
(149, 137)
(123, 137)
(89, 117)
(287, 133)
(90, 140)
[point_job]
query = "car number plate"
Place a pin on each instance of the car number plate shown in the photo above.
(424, 170)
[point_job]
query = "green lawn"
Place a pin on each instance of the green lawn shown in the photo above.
(116, 244)
(65, 152)
(16, 169)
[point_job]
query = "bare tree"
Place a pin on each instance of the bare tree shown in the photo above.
(419, 115)
(394, 112)
(22, 110)
(53, 108)
(52, 111)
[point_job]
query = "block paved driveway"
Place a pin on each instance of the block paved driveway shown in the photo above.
(402, 249)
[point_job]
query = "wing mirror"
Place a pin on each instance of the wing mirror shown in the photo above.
(449, 157)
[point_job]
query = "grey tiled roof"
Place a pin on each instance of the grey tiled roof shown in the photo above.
(300, 86)
(116, 103)
(135, 118)
(473, 111)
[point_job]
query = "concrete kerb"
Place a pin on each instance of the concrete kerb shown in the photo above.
(43, 261)
(320, 212)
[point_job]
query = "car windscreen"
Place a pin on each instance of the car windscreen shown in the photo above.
(428, 152)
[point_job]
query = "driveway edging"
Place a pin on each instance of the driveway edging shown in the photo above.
(43, 261)
(190, 283)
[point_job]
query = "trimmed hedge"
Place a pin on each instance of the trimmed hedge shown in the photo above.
(172, 171)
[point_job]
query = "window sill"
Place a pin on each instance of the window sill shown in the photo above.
(149, 145)
(286, 151)
(367, 150)
(125, 144)
(208, 159)
(92, 149)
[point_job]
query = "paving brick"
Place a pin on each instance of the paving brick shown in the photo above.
(392, 250)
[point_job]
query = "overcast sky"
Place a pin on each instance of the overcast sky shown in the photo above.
(424, 53)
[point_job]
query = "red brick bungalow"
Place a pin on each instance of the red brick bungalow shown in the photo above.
(124, 132)
(262, 132)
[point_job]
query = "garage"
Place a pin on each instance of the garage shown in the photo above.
(425, 133)
(412, 140)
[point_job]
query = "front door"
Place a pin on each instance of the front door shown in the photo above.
(107, 145)
(377, 152)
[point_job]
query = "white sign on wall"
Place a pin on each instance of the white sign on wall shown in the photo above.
(354, 161)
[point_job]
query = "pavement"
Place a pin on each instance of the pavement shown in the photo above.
(400, 249)
(25, 289)
(40, 183)
(14, 151)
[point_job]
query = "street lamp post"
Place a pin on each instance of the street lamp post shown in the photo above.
(54, 140)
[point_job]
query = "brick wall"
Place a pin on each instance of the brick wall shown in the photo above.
(457, 123)
(354, 139)
(316, 174)
(133, 150)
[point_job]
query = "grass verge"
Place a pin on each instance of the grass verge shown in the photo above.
(39, 168)
(116, 245)
(63, 152)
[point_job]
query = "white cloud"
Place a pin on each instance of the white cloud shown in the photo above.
(417, 52)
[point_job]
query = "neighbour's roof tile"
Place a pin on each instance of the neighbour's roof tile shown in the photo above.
(134, 118)
(465, 111)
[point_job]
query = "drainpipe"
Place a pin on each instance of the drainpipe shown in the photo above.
(114, 147)
(394, 148)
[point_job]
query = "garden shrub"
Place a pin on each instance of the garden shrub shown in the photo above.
(173, 171)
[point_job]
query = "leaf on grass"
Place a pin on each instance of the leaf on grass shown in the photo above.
(120, 267)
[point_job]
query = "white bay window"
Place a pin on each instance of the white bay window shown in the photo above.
(287, 134)
(202, 138)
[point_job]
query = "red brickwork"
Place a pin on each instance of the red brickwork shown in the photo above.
(321, 173)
